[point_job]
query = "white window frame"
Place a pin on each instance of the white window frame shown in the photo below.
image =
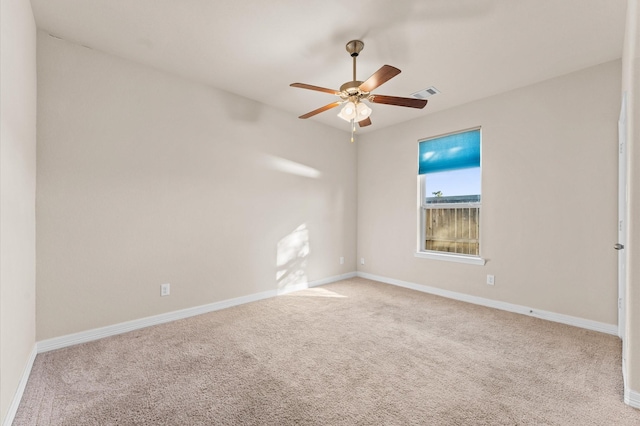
(421, 251)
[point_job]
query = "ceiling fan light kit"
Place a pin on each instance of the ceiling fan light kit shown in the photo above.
(354, 111)
(354, 93)
(363, 111)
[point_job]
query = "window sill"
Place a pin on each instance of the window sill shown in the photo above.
(460, 258)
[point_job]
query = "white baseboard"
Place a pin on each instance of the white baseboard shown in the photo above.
(17, 397)
(112, 330)
(510, 307)
(631, 398)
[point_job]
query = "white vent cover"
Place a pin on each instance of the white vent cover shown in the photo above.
(425, 93)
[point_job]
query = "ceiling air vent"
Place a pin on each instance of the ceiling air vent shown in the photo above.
(425, 93)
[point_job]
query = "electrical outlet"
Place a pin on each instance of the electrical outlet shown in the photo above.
(491, 279)
(342, 260)
(362, 260)
(165, 289)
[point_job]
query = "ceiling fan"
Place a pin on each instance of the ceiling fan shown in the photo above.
(353, 93)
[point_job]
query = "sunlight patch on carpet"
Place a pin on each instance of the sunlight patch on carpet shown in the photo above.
(316, 292)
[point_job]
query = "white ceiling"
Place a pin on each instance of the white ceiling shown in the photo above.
(468, 49)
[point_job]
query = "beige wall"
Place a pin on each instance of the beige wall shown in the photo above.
(630, 79)
(145, 178)
(549, 194)
(17, 194)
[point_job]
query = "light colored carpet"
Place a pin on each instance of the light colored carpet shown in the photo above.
(356, 352)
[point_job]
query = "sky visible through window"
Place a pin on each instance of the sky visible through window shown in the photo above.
(454, 182)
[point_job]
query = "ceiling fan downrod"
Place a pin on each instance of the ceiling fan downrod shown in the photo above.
(354, 47)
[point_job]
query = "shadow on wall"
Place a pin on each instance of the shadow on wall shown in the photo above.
(292, 258)
(241, 109)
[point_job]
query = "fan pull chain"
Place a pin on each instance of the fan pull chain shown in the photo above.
(353, 128)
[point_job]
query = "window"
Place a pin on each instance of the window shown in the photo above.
(450, 196)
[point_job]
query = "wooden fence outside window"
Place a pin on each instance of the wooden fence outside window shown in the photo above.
(453, 230)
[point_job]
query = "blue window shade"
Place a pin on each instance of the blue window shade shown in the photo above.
(451, 152)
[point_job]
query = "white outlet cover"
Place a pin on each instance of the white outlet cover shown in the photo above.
(491, 279)
(165, 289)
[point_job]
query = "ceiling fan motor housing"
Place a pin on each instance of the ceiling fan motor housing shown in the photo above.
(351, 88)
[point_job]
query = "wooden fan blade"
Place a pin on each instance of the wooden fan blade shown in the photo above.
(321, 109)
(395, 100)
(365, 122)
(316, 88)
(384, 74)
